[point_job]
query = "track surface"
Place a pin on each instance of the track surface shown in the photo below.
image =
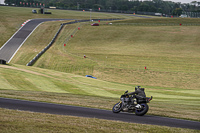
(94, 113)
(8, 50)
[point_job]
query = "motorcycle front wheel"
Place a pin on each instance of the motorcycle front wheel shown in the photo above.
(117, 107)
(143, 110)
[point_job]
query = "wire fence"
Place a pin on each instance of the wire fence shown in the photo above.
(105, 68)
(159, 24)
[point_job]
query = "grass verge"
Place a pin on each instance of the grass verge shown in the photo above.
(40, 122)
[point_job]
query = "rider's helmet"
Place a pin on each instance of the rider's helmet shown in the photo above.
(137, 88)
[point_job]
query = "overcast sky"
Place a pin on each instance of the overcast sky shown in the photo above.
(183, 1)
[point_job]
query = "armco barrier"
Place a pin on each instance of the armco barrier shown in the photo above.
(45, 49)
(52, 41)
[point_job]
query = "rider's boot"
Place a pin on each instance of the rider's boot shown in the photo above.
(138, 106)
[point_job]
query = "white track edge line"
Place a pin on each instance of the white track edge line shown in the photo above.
(13, 35)
(24, 41)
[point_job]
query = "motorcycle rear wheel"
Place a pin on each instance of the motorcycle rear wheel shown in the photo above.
(117, 107)
(143, 111)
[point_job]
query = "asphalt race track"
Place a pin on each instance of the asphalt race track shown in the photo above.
(94, 113)
(8, 50)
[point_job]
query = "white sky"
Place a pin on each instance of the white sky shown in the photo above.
(183, 1)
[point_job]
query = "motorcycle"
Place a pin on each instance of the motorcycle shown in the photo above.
(132, 104)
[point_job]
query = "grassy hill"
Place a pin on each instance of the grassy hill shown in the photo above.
(11, 18)
(116, 55)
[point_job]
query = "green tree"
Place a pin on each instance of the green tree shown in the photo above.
(97, 6)
(177, 11)
(9, 2)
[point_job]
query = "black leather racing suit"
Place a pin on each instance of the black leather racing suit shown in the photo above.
(139, 93)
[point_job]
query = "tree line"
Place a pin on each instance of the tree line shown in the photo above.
(158, 6)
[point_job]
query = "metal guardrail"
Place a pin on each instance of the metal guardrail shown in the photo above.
(45, 49)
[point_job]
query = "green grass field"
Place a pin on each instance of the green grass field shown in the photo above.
(116, 55)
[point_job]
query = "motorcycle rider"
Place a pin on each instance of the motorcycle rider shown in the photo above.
(138, 94)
